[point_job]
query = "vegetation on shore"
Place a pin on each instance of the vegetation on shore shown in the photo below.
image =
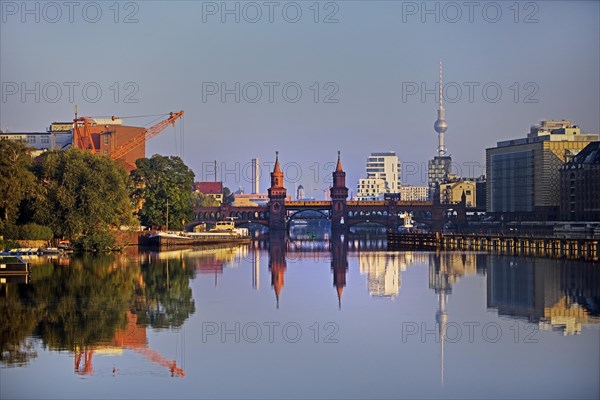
(85, 197)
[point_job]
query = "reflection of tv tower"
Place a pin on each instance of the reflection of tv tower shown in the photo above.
(440, 279)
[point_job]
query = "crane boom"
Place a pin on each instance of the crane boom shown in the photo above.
(157, 358)
(149, 134)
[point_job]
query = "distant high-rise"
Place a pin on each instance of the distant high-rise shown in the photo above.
(255, 176)
(383, 176)
(300, 193)
(439, 166)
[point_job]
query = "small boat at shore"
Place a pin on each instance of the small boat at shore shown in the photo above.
(223, 232)
(49, 250)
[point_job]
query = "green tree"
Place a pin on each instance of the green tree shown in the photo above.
(17, 180)
(160, 179)
(35, 232)
(227, 195)
(83, 193)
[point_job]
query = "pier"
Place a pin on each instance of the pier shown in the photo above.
(572, 248)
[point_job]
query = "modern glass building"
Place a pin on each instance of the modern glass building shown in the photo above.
(523, 175)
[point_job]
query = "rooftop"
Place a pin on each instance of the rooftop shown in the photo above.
(209, 187)
(590, 154)
(383, 154)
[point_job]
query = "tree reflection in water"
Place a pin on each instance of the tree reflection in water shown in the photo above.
(84, 304)
(164, 299)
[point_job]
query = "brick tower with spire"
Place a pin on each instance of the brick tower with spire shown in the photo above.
(339, 195)
(277, 194)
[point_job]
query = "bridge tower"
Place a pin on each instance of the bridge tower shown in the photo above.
(277, 194)
(339, 195)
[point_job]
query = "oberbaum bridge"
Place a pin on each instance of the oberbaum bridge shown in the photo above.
(341, 212)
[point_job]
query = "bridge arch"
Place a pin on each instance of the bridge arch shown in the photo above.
(297, 214)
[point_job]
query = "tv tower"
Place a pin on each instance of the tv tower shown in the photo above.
(440, 124)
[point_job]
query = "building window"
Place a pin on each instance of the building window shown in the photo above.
(45, 139)
(105, 152)
(30, 139)
(106, 140)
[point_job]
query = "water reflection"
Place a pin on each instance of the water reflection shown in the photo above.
(339, 266)
(557, 294)
(93, 304)
(445, 270)
(117, 305)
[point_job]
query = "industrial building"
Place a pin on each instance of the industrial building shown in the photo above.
(104, 136)
(59, 136)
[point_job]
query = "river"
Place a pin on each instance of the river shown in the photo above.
(302, 319)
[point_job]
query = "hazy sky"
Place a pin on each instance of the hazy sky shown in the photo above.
(358, 74)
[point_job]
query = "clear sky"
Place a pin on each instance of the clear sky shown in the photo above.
(368, 57)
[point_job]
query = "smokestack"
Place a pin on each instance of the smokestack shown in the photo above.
(255, 176)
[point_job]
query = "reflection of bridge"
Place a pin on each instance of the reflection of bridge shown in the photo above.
(342, 213)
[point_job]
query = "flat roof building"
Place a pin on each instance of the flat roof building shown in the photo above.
(523, 178)
(383, 176)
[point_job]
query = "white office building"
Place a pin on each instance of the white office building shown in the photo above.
(383, 176)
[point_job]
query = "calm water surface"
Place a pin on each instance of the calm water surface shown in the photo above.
(302, 319)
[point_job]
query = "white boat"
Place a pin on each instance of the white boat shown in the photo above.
(223, 232)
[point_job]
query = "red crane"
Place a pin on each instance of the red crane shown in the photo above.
(149, 134)
(83, 132)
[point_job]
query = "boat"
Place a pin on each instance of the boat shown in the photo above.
(223, 232)
(49, 250)
(20, 251)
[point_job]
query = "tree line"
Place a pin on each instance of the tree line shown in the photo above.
(84, 197)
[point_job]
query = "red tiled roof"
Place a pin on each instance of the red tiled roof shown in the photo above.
(209, 187)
